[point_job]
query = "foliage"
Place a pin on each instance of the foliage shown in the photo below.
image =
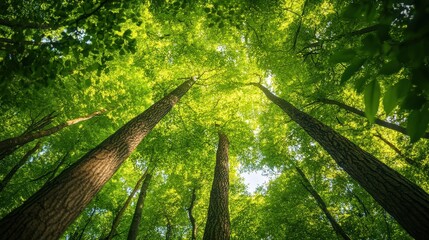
(79, 57)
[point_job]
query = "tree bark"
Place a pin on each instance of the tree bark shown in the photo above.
(191, 216)
(307, 185)
(15, 168)
(404, 200)
(8, 146)
(119, 215)
(377, 121)
(47, 213)
(218, 223)
(135, 223)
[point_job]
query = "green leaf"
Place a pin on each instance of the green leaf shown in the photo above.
(371, 99)
(390, 68)
(417, 124)
(360, 84)
(402, 89)
(351, 70)
(390, 100)
(342, 56)
(127, 33)
(371, 44)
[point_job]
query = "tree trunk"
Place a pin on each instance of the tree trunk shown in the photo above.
(47, 213)
(15, 168)
(169, 233)
(307, 185)
(218, 223)
(8, 146)
(362, 114)
(405, 201)
(191, 216)
(124, 207)
(134, 228)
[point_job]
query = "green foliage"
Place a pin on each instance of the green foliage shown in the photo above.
(123, 56)
(372, 99)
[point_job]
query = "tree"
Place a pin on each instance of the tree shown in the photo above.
(407, 202)
(362, 114)
(134, 228)
(15, 168)
(121, 211)
(8, 146)
(307, 185)
(74, 188)
(218, 223)
(191, 216)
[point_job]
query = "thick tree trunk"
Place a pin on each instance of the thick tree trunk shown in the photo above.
(8, 146)
(307, 185)
(218, 223)
(405, 201)
(191, 216)
(362, 114)
(135, 224)
(15, 168)
(119, 215)
(47, 213)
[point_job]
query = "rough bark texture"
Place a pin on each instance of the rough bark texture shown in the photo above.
(218, 223)
(307, 185)
(405, 201)
(134, 228)
(191, 216)
(8, 146)
(362, 114)
(120, 213)
(17, 166)
(47, 213)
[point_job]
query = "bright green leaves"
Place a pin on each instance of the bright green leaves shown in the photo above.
(351, 70)
(371, 99)
(390, 100)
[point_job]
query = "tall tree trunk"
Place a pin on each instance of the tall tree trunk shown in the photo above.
(8, 146)
(377, 121)
(120, 213)
(218, 223)
(135, 223)
(404, 200)
(17, 166)
(47, 213)
(191, 216)
(307, 185)
(169, 233)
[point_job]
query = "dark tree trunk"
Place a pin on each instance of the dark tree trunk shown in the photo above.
(15, 168)
(48, 213)
(119, 215)
(135, 223)
(404, 200)
(191, 216)
(8, 146)
(218, 223)
(169, 233)
(362, 114)
(307, 185)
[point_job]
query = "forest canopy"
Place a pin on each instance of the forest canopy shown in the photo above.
(137, 119)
